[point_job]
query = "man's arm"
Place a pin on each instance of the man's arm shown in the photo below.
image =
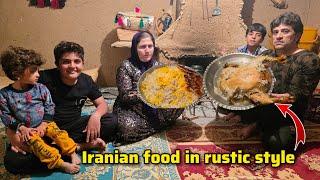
(93, 126)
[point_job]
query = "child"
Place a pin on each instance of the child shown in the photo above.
(27, 108)
(254, 36)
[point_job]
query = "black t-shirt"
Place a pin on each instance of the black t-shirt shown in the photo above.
(68, 99)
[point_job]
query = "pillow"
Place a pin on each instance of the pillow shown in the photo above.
(134, 21)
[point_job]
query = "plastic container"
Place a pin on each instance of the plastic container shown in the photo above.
(309, 34)
(308, 39)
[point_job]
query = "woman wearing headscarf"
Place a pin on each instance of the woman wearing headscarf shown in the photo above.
(137, 120)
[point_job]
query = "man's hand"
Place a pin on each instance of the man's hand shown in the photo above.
(16, 144)
(282, 98)
(41, 129)
(93, 127)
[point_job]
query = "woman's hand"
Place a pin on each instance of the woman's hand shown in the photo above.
(41, 129)
(93, 127)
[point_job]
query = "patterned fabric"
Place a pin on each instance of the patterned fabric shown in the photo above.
(68, 99)
(258, 51)
(28, 107)
(46, 153)
(136, 120)
(298, 76)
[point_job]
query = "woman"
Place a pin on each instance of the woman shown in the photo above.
(137, 120)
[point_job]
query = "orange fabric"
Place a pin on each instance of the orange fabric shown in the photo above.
(61, 138)
(44, 152)
(48, 154)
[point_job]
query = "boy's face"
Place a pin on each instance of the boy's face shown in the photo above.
(283, 37)
(30, 75)
(70, 66)
(254, 38)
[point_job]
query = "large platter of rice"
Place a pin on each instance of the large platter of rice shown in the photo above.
(170, 86)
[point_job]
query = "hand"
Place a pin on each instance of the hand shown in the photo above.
(16, 144)
(41, 129)
(93, 128)
(282, 98)
(133, 93)
(26, 133)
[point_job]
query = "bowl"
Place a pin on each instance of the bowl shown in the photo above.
(212, 73)
(160, 92)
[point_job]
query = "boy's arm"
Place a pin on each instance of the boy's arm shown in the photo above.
(6, 115)
(48, 107)
(93, 126)
(48, 104)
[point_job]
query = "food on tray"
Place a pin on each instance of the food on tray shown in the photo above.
(246, 83)
(171, 86)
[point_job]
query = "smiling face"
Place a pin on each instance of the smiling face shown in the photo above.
(70, 67)
(145, 49)
(284, 37)
(254, 38)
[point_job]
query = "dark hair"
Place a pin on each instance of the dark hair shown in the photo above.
(17, 59)
(289, 19)
(64, 47)
(257, 27)
(134, 58)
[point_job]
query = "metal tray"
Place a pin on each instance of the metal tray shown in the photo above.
(143, 98)
(212, 73)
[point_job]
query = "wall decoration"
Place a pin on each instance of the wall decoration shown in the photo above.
(54, 4)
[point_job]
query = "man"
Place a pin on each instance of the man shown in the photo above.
(69, 89)
(296, 79)
(254, 36)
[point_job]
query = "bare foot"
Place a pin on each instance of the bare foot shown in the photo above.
(70, 168)
(247, 131)
(75, 158)
(95, 144)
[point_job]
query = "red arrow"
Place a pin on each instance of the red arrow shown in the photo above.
(300, 132)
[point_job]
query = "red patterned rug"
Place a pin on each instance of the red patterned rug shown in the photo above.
(219, 138)
(306, 166)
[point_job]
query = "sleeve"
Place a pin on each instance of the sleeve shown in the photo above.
(125, 86)
(47, 103)
(94, 91)
(306, 77)
(6, 115)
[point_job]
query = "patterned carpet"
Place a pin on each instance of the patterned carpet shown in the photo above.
(199, 139)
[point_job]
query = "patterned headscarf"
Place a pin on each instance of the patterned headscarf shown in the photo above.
(134, 59)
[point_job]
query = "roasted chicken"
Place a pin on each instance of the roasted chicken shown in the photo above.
(243, 84)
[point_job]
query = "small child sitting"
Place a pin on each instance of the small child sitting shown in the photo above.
(254, 36)
(27, 108)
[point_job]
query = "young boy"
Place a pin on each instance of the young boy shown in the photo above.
(27, 108)
(254, 36)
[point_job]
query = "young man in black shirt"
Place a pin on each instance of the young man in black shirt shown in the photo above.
(69, 89)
